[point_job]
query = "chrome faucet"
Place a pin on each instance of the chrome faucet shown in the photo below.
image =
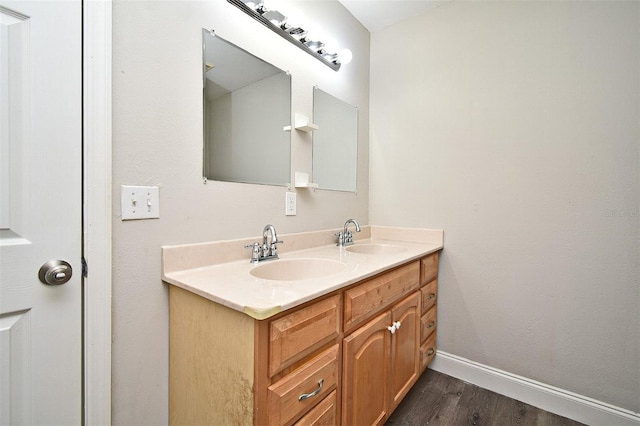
(269, 249)
(345, 237)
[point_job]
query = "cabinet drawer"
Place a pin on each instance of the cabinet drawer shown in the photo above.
(323, 414)
(429, 268)
(427, 351)
(428, 323)
(429, 295)
(369, 298)
(315, 379)
(294, 336)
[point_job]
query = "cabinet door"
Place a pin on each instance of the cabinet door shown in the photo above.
(365, 396)
(405, 347)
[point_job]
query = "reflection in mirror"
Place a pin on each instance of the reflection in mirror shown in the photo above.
(335, 143)
(247, 105)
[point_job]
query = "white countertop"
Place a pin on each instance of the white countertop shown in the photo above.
(232, 284)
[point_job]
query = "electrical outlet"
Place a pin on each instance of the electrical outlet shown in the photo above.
(140, 202)
(290, 204)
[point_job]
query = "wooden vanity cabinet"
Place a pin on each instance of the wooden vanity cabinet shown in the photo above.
(337, 352)
(365, 399)
(228, 368)
(303, 364)
(429, 293)
(381, 363)
(405, 348)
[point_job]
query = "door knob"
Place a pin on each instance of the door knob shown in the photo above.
(55, 272)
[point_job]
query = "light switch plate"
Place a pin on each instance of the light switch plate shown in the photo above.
(290, 204)
(140, 202)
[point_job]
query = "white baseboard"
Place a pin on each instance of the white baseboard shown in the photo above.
(559, 401)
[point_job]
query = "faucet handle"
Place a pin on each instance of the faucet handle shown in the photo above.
(273, 245)
(273, 250)
(255, 254)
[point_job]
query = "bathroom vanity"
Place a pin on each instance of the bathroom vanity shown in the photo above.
(328, 335)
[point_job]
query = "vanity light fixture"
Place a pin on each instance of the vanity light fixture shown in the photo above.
(277, 22)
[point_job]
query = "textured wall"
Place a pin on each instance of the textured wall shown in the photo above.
(157, 140)
(514, 126)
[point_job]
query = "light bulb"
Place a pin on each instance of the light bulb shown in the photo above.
(330, 44)
(314, 32)
(275, 4)
(295, 17)
(345, 56)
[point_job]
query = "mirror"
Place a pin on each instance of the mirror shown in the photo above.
(335, 143)
(247, 105)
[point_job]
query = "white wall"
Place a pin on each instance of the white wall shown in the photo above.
(514, 126)
(157, 140)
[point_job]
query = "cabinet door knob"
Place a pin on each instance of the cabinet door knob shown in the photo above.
(431, 324)
(314, 393)
(431, 351)
(392, 328)
(431, 296)
(397, 324)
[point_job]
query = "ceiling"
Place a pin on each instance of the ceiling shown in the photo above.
(377, 14)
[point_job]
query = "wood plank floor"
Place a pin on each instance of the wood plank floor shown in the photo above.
(438, 399)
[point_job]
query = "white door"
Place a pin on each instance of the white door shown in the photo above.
(40, 211)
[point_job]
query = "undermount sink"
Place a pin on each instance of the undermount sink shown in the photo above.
(376, 249)
(297, 269)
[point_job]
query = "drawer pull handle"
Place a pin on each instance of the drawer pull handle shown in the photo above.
(312, 394)
(431, 351)
(431, 296)
(431, 324)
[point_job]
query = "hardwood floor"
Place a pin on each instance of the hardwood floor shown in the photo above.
(438, 399)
